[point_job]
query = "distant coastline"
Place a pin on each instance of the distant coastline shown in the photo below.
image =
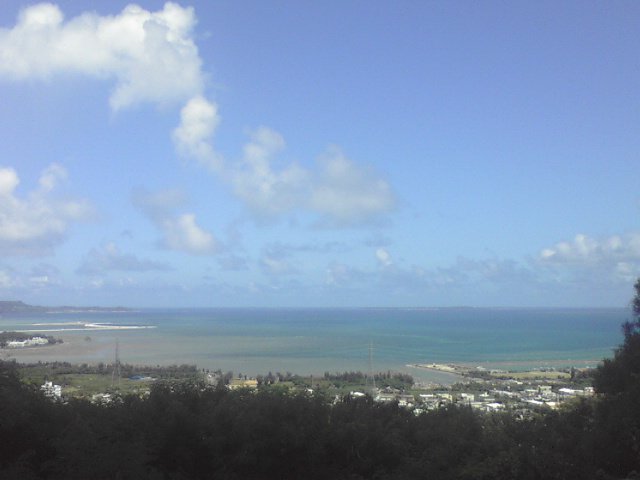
(18, 306)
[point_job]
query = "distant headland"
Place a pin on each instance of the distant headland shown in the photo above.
(18, 306)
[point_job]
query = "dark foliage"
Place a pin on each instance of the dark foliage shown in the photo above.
(618, 415)
(191, 431)
(396, 380)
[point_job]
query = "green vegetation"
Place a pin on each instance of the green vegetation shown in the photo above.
(332, 382)
(85, 380)
(12, 306)
(186, 429)
(391, 380)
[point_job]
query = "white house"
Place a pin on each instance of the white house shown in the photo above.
(52, 390)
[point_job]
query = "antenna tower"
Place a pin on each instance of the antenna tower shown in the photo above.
(116, 376)
(371, 380)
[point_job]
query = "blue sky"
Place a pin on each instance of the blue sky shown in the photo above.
(335, 153)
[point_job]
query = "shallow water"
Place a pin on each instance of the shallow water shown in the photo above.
(312, 341)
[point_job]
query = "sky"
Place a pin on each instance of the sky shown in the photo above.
(318, 154)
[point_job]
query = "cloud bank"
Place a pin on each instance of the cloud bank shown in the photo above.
(618, 256)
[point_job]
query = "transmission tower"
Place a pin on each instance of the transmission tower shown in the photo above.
(371, 378)
(116, 375)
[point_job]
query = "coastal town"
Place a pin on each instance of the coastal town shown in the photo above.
(522, 392)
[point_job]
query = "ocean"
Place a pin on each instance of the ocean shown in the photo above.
(312, 341)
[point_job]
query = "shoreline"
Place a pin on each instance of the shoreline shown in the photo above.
(448, 370)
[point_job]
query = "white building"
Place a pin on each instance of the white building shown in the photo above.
(51, 390)
(27, 343)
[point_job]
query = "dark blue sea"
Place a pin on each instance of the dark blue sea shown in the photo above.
(312, 341)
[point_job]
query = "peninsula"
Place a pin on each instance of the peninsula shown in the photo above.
(18, 306)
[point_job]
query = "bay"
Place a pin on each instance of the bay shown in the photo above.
(312, 341)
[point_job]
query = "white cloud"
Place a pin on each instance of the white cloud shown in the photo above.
(39, 281)
(179, 232)
(151, 55)
(616, 255)
(587, 250)
(199, 119)
(8, 279)
(183, 234)
(35, 225)
(51, 176)
(340, 191)
(267, 193)
(347, 194)
(8, 181)
(152, 58)
(383, 257)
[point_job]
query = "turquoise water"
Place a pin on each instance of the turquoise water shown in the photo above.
(312, 341)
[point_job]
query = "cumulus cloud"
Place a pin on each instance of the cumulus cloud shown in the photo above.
(183, 234)
(340, 191)
(109, 258)
(36, 224)
(51, 177)
(199, 119)
(151, 55)
(617, 255)
(347, 194)
(267, 193)
(180, 232)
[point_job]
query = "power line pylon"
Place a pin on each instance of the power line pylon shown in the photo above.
(371, 377)
(116, 375)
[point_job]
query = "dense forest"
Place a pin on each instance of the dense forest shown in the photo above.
(188, 430)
